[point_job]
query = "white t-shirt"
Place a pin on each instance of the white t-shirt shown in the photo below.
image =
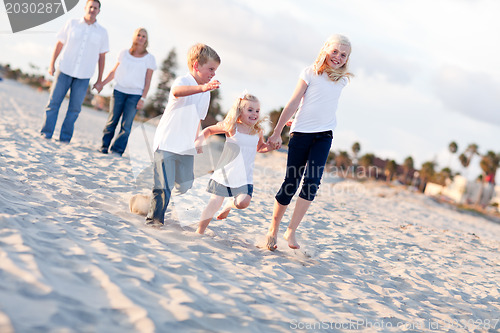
(82, 45)
(236, 163)
(178, 126)
(130, 76)
(317, 110)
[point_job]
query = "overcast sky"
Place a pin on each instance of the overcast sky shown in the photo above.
(427, 71)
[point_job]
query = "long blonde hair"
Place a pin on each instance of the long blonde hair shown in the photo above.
(321, 66)
(134, 46)
(233, 116)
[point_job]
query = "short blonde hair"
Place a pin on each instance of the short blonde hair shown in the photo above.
(321, 66)
(201, 53)
(233, 116)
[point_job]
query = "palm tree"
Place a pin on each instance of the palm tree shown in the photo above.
(466, 157)
(356, 147)
(408, 165)
(472, 149)
(366, 161)
(453, 147)
(463, 160)
(274, 116)
(426, 173)
(489, 164)
(343, 161)
(390, 169)
(331, 158)
(442, 176)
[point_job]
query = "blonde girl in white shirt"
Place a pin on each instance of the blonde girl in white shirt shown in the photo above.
(233, 176)
(314, 103)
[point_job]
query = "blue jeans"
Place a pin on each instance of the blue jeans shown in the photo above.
(169, 169)
(62, 84)
(124, 106)
(307, 155)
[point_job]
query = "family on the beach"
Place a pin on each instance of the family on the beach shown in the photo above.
(83, 43)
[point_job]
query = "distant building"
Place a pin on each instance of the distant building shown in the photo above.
(462, 191)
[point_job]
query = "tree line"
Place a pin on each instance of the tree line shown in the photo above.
(370, 166)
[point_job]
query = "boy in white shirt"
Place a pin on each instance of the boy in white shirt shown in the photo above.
(178, 128)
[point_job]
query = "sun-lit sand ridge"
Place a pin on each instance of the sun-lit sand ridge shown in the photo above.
(73, 258)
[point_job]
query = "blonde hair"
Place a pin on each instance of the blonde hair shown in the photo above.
(134, 46)
(201, 53)
(233, 116)
(321, 66)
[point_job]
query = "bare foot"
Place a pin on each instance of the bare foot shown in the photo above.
(290, 237)
(271, 243)
(224, 213)
(202, 226)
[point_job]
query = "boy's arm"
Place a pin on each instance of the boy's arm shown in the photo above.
(182, 91)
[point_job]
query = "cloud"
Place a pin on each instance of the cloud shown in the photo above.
(379, 64)
(474, 94)
(235, 26)
(263, 52)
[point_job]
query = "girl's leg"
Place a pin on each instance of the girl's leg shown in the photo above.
(241, 201)
(298, 154)
(206, 216)
(278, 212)
(312, 179)
(301, 207)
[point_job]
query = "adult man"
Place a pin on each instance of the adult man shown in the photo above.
(82, 43)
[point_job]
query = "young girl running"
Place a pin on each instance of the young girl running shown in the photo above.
(233, 176)
(315, 99)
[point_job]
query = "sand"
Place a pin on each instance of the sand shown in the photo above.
(74, 259)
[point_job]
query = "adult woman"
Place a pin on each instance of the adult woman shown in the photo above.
(132, 74)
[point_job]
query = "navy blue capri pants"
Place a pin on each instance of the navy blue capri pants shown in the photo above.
(307, 155)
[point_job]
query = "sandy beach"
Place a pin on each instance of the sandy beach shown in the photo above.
(74, 259)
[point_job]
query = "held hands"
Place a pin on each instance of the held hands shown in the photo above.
(274, 141)
(212, 85)
(98, 86)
